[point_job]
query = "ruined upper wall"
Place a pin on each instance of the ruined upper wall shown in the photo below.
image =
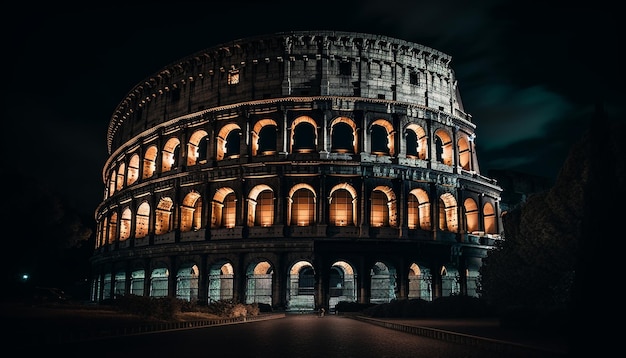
(298, 63)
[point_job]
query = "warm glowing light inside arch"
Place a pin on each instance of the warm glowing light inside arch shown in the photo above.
(263, 268)
(418, 210)
(342, 208)
(352, 125)
(301, 212)
(256, 130)
(295, 269)
(125, 223)
(471, 215)
(422, 140)
(346, 267)
(149, 162)
(390, 134)
(119, 181)
(133, 169)
(143, 220)
(261, 206)
(383, 208)
(170, 148)
(221, 139)
(490, 218)
(224, 209)
(163, 218)
(193, 145)
(465, 156)
(446, 146)
(448, 220)
(298, 121)
(191, 212)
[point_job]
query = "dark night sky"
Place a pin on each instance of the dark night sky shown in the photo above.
(530, 74)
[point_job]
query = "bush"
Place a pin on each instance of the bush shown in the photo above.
(166, 308)
(448, 307)
(345, 306)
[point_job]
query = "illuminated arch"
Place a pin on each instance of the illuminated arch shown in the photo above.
(163, 219)
(465, 155)
(126, 224)
(448, 220)
(119, 181)
(382, 283)
(133, 170)
(444, 148)
(335, 146)
(142, 220)
(222, 142)
(149, 161)
(112, 228)
(301, 205)
(112, 185)
(169, 158)
(224, 210)
(261, 206)
(194, 146)
(187, 282)
(259, 283)
(221, 275)
(471, 215)
(418, 210)
(257, 139)
(191, 212)
(389, 137)
(421, 142)
(489, 217)
(343, 208)
(383, 207)
(420, 282)
(296, 147)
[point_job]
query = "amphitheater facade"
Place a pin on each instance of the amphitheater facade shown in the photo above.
(297, 170)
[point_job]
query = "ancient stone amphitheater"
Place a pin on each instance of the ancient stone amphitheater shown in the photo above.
(298, 170)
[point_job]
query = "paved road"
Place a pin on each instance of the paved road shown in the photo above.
(292, 336)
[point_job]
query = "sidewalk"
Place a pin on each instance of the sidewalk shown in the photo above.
(485, 332)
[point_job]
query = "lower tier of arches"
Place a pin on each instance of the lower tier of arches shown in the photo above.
(292, 275)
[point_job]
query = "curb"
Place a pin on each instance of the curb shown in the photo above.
(494, 345)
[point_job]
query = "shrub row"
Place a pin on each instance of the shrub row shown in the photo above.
(166, 308)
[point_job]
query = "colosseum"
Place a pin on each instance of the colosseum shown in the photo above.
(297, 170)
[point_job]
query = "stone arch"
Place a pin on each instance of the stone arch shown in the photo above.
(170, 154)
(343, 134)
(224, 209)
(383, 211)
(444, 147)
(301, 208)
(301, 287)
(149, 162)
(382, 137)
(259, 277)
(197, 147)
(421, 141)
(303, 139)
(261, 139)
(343, 207)
(222, 140)
(418, 210)
(220, 282)
(191, 212)
(261, 206)
(472, 219)
(133, 170)
(448, 219)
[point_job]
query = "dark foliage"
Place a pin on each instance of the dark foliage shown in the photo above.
(458, 306)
